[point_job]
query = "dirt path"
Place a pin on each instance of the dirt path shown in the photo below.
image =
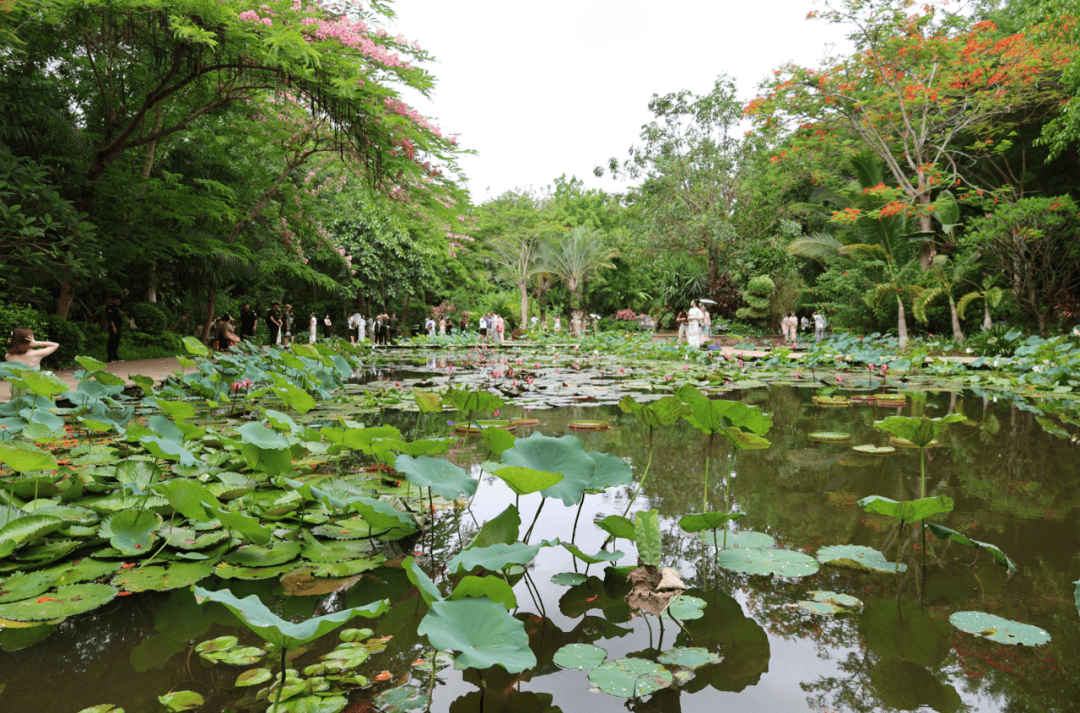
(156, 369)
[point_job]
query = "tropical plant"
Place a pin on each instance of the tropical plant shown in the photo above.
(989, 293)
(942, 278)
(575, 257)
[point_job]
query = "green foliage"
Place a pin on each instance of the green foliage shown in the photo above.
(758, 296)
(149, 318)
(482, 631)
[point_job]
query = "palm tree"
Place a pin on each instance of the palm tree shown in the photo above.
(989, 293)
(516, 255)
(942, 282)
(577, 256)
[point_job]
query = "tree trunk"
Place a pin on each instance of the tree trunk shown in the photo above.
(211, 305)
(901, 322)
(957, 333)
(926, 225)
(522, 288)
(987, 322)
(405, 313)
(67, 296)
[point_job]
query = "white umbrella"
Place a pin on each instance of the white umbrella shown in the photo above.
(595, 316)
(707, 302)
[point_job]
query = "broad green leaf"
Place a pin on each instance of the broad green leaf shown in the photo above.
(494, 588)
(428, 590)
(944, 533)
(42, 383)
(195, 347)
(661, 412)
(90, 363)
(402, 698)
(28, 529)
(295, 398)
(176, 410)
(563, 456)
(685, 608)
(254, 614)
(688, 657)
(472, 401)
(524, 481)
(362, 439)
(919, 430)
(23, 457)
(782, 563)
(498, 440)
(181, 701)
(618, 526)
(188, 497)
(579, 656)
(715, 415)
(707, 520)
(132, 532)
(385, 520)
(630, 678)
(501, 529)
(745, 440)
(601, 556)
(829, 603)
(448, 480)
(426, 401)
(858, 557)
(647, 536)
(481, 631)
(568, 579)
(65, 601)
(909, 510)
(995, 628)
(492, 558)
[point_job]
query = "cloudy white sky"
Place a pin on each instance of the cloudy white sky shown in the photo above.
(543, 89)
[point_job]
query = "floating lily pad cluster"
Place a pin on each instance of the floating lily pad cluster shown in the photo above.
(634, 677)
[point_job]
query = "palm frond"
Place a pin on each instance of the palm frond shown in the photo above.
(816, 246)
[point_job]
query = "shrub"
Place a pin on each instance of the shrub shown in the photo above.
(68, 335)
(758, 296)
(149, 318)
(13, 315)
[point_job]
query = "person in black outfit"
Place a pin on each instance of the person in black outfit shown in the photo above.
(393, 328)
(114, 322)
(273, 322)
(248, 321)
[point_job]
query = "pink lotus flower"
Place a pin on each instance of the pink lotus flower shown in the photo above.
(871, 367)
(519, 361)
(397, 384)
(576, 365)
(496, 374)
(667, 377)
(686, 367)
(798, 376)
(622, 371)
(513, 383)
(528, 380)
(839, 378)
(536, 366)
(496, 413)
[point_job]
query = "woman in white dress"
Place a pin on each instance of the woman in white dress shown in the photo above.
(693, 325)
(311, 329)
(361, 329)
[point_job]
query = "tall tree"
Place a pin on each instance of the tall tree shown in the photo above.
(577, 255)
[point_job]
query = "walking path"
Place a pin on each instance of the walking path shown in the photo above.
(156, 369)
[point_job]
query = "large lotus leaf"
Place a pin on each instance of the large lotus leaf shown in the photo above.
(919, 430)
(472, 401)
(904, 629)
(498, 440)
(707, 520)
(501, 529)
(295, 398)
(176, 410)
(131, 532)
(313, 704)
(385, 520)
(246, 525)
(181, 701)
(482, 631)
(524, 481)
(23, 457)
(421, 447)
(187, 498)
(715, 415)
(746, 440)
(945, 533)
(363, 439)
(909, 510)
(41, 383)
(163, 578)
(492, 558)
(601, 556)
(742, 539)
(168, 449)
(661, 412)
(448, 480)
(428, 589)
(618, 526)
(254, 614)
(995, 628)
(563, 455)
(402, 698)
(689, 657)
(255, 556)
(782, 563)
(579, 656)
(494, 588)
(647, 535)
(858, 557)
(280, 421)
(28, 529)
(427, 401)
(684, 608)
(903, 685)
(630, 678)
(23, 585)
(829, 603)
(66, 601)
(182, 538)
(610, 471)
(90, 363)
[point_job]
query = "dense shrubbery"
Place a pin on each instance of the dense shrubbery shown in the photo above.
(149, 317)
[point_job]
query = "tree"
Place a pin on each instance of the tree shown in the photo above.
(921, 87)
(944, 276)
(577, 255)
(510, 227)
(989, 293)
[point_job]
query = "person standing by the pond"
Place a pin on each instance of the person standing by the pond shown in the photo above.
(289, 323)
(249, 321)
(693, 325)
(805, 324)
(819, 326)
(23, 348)
(273, 321)
(327, 324)
(558, 324)
(681, 321)
(393, 324)
(313, 324)
(114, 324)
(483, 328)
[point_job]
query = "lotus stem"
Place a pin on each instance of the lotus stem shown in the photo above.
(166, 541)
(705, 492)
(573, 533)
(641, 482)
(535, 517)
(281, 685)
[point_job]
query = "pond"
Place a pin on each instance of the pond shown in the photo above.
(1013, 484)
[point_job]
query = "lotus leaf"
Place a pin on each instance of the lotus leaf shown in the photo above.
(90, 363)
(221, 643)
(254, 614)
(27, 529)
(246, 525)
(661, 412)
(181, 701)
(501, 529)
(715, 415)
(472, 401)
(601, 556)
(384, 519)
(829, 436)
(498, 440)
(84, 570)
(618, 526)
(162, 579)
(564, 456)
(402, 698)
(251, 574)
(23, 585)
(428, 589)
(945, 533)
(295, 398)
(858, 557)
(630, 678)
(131, 532)
(26, 486)
(493, 557)
(568, 579)
(195, 347)
(66, 601)
(481, 631)
(103, 708)
(494, 588)
(689, 657)
(426, 401)
(524, 481)
(902, 685)
(351, 635)
(239, 656)
(920, 431)
(43, 554)
(685, 608)
(315, 551)
(874, 450)
(580, 656)
(995, 628)
(419, 447)
(448, 480)
(350, 568)
(828, 603)
(176, 410)
(255, 556)
(909, 510)
(707, 520)
(647, 536)
(904, 629)
(41, 383)
(782, 563)
(184, 539)
(23, 457)
(739, 540)
(253, 677)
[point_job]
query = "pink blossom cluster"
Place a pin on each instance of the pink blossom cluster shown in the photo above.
(400, 107)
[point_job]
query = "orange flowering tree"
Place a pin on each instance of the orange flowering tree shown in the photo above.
(924, 90)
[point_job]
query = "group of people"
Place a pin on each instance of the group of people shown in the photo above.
(381, 329)
(790, 326)
(695, 325)
(492, 325)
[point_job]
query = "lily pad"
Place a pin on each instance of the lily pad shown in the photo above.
(221, 643)
(685, 608)
(162, 579)
(741, 540)
(995, 628)
(781, 563)
(829, 436)
(66, 601)
(253, 677)
(402, 698)
(481, 631)
(630, 678)
(23, 585)
(857, 557)
(181, 701)
(255, 556)
(689, 657)
(828, 603)
(131, 532)
(873, 450)
(446, 479)
(580, 656)
(568, 579)
(313, 704)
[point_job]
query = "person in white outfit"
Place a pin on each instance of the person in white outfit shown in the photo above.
(694, 318)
